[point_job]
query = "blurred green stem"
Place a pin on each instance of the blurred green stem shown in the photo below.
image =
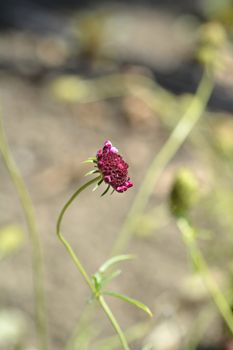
(201, 266)
(161, 160)
(37, 259)
(136, 332)
(84, 332)
(81, 268)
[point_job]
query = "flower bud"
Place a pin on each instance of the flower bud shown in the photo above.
(211, 42)
(184, 192)
(213, 34)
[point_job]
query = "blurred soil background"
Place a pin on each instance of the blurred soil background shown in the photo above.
(64, 74)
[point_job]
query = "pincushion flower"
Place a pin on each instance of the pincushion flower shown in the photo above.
(112, 168)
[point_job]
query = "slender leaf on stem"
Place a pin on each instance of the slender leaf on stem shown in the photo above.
(114, 260)
(94, 171)
(97, 185)
(130, 301)
(90, 160)
(95, 188)
(110, 277)
(100, 182)
(107, 189)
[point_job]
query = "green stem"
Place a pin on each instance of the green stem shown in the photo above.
(114, 322)
(136, 332)
(161, 160)
(64, 241)
(81, 268)
(202, 267)
(37, 265)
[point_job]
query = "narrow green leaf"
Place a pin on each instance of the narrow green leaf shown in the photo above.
(107, 189)
(114, 260)
(130, 301)
(110, 277)
(100, 182)
(97, 185)
(94, 171)
(88, 161)
(95, 188)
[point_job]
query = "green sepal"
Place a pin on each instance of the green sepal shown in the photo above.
(95, 188)
(100, 182)
(130, 301)
(114, 260)
(90, 160)
(94, 171)
(107, 189)
(97, 185)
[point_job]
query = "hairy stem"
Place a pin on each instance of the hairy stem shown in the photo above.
(161, 160)
(37, 259)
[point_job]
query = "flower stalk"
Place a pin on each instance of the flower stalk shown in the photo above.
(95, 293)
(113, 171)
(68, 247)
(113, 321)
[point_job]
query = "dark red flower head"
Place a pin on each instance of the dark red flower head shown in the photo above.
(113, 168)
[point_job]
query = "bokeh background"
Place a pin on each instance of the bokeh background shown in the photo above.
(73, 74)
